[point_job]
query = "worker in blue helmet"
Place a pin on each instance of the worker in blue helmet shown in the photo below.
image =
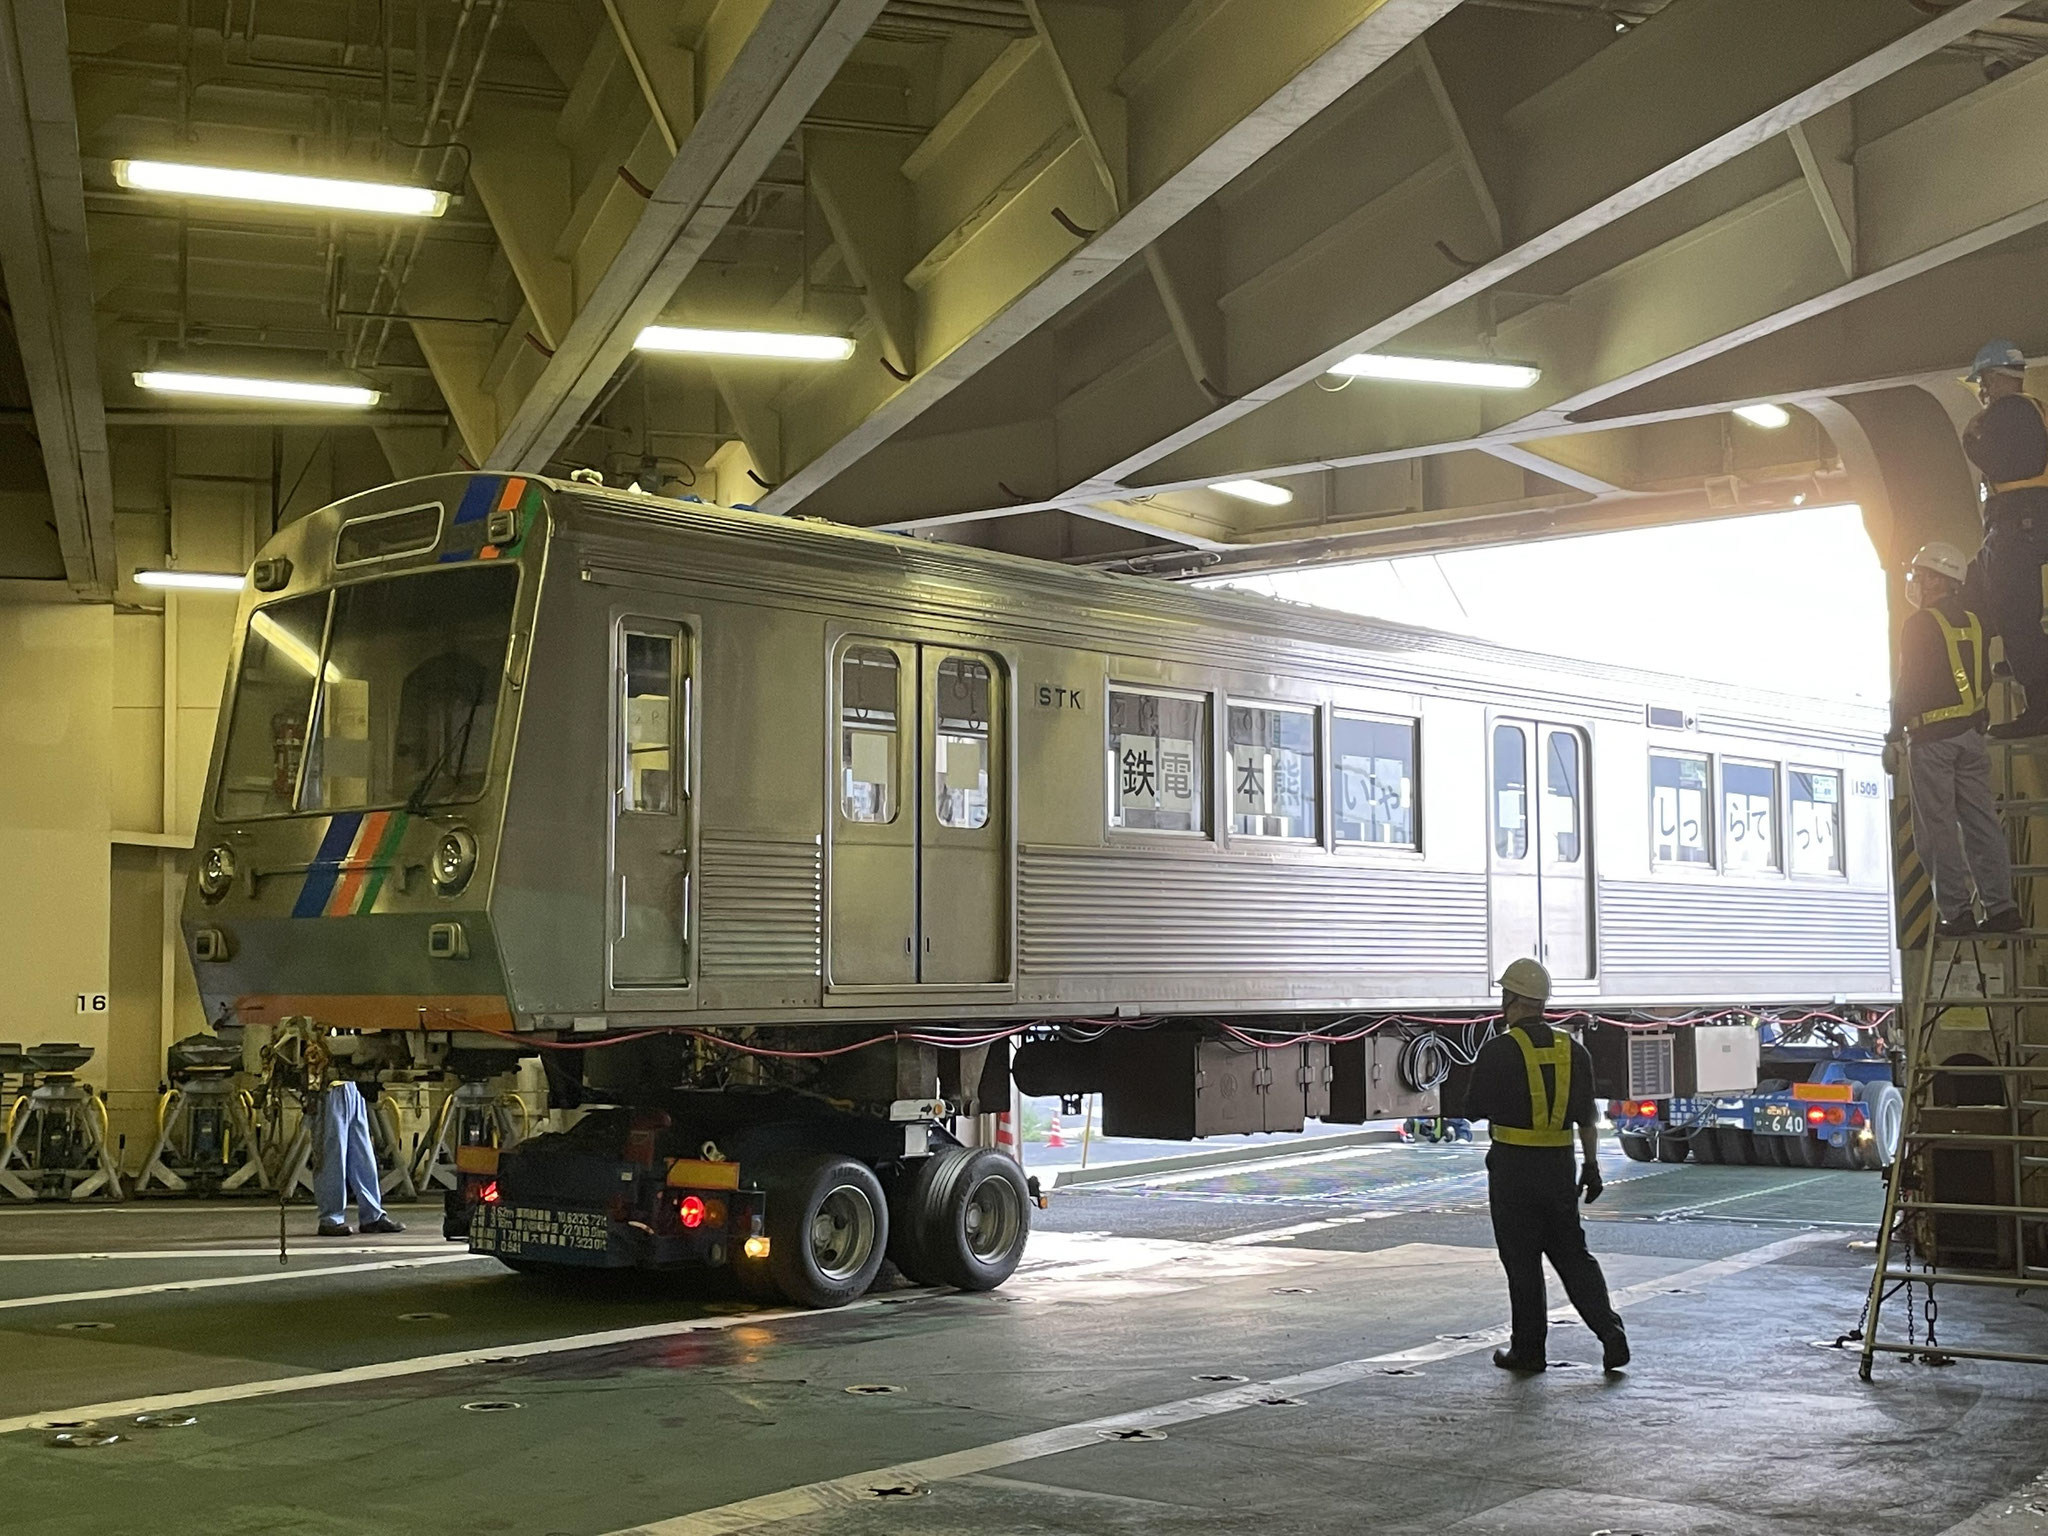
(1534, 1085)
(2008, 443)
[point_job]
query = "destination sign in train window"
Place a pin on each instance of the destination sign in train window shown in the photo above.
(1816, 822)
(1273, 772)
(1681, 829)
(1374, 781)
(1158, 746)
(1749, 814)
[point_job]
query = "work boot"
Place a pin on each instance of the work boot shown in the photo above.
(383, 1224)
(2004, 920)
(334, 1229)
(1508, 1360)
(1960, 927)
(1614, 1349)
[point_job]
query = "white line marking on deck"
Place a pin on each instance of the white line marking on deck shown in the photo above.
(325, 1250)
(842, 1492)
(214, 1282)
(1234, 1170)
(1300, 1229)
(1747, 1194)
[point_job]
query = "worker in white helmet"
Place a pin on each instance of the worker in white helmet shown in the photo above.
(2007, 441)
(1533, 1085)
(1938, 710)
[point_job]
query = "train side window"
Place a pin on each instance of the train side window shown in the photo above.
(869, 680)
(1157, 752)
(1816, 822)
(960, 744)
(1374, 781)
(1681, 831)
(1274, 774)
(1749, 814)
(648, 709)
(1510, 792)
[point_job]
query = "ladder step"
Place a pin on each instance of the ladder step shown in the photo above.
(2022, 807)
(1976, 1138)
(2025, 1212)
(1945, 1277)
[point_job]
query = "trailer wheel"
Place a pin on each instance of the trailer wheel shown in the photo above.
(1637, 1149)
(1887, 1107)
(1737, 1145)
(1671, 1149)
(968, 1214)
(828, 1227)
(1808, 1151)
(1706, 1145)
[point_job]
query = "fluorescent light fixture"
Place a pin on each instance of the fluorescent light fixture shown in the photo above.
(191, 581)
(1255, 490)
(1769, 417)
(1438, 370)
(270, 187)
(784, 344)
(227, 387)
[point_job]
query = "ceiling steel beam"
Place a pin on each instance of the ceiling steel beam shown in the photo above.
(1217, 91)
(49, 284)
(756, 95)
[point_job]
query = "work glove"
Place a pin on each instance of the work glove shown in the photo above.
(1591, 1182)
(1894, 758)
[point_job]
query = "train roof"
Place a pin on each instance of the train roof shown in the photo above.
(1250, 612)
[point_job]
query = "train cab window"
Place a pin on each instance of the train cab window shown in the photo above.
(869, 683)
(273, 701)
(409, 690)
(1749, 815)
(1816, 822)
(1510, 792)
(1374, 780)
(1681, 831)
(1563, 783)
(1274, 774)
(648, 713)
(1157, 755)
(960, 743)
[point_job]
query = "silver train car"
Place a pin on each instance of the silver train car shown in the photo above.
(772, 837)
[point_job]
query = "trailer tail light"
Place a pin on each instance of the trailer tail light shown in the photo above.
(489, 1193)
(755, 1248)
(1816, 1116)
(1835, 1115)
(691, 1212)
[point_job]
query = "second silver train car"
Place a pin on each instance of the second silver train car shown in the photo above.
(508, 764)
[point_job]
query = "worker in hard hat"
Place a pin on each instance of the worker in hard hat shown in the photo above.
(2008, 442)
(1938, 711)
(1533, 1084)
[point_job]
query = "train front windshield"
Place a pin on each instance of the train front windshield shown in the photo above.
(381, 694)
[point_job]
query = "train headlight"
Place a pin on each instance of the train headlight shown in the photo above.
(454, 860)
(217, 872)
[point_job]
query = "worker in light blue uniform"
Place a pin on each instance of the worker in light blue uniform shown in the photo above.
(348, 1164)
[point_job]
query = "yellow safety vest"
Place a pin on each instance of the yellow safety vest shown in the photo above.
(2000, 487)
(1546, 1126)
(1969, 678)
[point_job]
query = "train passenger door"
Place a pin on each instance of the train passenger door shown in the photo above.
(919, 872)
(1539, 889)
(649, 900)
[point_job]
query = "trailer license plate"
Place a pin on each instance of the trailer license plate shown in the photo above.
(1780, 1120)
(538, 1231)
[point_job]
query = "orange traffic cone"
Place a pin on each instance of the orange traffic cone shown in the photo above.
(1053, 1138)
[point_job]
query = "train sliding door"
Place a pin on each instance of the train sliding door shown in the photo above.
(920, 861)
(650, 938)
(1539, 884)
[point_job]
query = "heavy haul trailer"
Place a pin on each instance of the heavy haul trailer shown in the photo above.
(1814, 1092)
(772, 838)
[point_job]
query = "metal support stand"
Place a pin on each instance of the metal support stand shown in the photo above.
(208, 1141)
(476, 1114)
(57, 1144)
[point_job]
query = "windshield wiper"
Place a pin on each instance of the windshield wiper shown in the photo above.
(416, 802)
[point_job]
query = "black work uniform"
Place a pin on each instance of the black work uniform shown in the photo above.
(1532, 1189)
(2008, 443)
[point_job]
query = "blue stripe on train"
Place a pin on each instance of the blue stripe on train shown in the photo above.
(341, 833)
(476, 501)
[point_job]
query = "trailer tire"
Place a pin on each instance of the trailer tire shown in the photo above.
(1737, 1145)
(1671, 1149)
(1887, 1109)
(966, 1215)
(1706, 1145)
(1637, 1149)
(1808, 1151)
(828, 1228)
